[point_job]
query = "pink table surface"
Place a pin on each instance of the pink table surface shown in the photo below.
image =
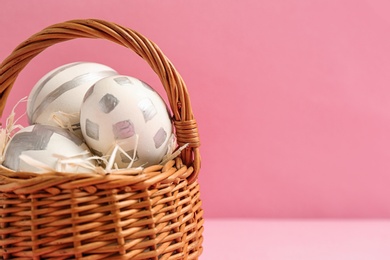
(251, 239)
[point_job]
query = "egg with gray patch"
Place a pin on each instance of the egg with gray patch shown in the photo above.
(51, 146)
(126, 112)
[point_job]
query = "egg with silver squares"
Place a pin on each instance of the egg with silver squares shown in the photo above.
(124, 118)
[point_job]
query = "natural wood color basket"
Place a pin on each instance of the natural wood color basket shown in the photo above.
(154, 214)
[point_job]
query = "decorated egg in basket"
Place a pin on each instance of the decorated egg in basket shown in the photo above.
(124, 112)
(41, 148)
(56, 98)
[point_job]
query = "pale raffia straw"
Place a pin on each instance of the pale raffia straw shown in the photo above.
(152, 213)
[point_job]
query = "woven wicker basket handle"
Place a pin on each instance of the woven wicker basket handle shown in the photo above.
(184, 122)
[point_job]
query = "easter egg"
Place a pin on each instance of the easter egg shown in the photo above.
(56, 98)
(126, 112)
(45, 145)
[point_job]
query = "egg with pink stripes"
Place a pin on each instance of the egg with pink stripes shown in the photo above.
(57, 97)
(122, 117)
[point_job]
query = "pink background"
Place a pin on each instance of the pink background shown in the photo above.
(291, 97)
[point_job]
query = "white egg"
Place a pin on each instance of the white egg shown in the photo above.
(60, 92)
(50, 146)
(124, 111)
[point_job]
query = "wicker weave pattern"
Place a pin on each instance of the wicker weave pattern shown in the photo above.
(153, 213)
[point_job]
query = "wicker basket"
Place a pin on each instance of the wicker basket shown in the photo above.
(154, 214)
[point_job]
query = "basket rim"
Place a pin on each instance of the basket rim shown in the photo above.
(134, 179)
